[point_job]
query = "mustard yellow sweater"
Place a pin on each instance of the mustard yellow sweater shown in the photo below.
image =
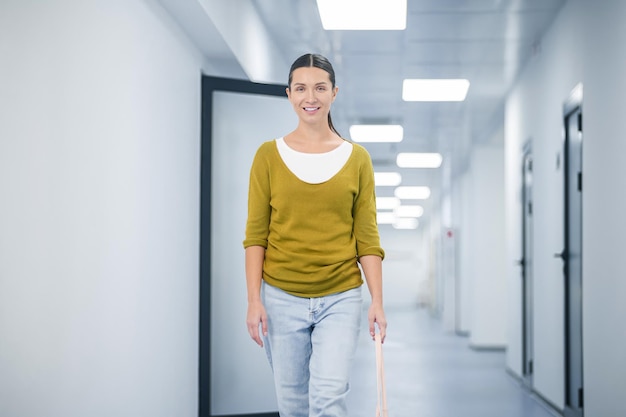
(313, 233)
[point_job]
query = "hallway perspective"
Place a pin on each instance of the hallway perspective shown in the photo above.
(434, 373)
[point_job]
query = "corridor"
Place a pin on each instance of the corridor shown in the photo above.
(434, 373)
(127, 132)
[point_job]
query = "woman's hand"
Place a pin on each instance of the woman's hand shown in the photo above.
(256, 316)
(376, 316)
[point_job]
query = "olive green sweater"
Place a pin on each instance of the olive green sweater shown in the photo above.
(313, 233)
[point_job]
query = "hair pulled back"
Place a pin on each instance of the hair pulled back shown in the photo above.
(317, 61)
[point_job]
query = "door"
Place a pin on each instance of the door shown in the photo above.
(572, 257)
(526, 265)
(237, 117)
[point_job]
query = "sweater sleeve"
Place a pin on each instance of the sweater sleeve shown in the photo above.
(364, 211)
(257, 226)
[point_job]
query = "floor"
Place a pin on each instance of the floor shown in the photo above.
(433, 373)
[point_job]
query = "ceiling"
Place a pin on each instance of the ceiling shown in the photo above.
(485, 41)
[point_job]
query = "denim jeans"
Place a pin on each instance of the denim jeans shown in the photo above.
(310, 346)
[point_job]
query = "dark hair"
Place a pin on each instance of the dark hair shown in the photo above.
(317, 61)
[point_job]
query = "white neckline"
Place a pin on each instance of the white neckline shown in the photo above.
(314, 168)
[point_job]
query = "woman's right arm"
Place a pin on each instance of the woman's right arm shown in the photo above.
(256, 312)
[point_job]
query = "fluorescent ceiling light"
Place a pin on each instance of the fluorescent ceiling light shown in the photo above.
(412, 193)
(362, 14)
(376, 133)
(434, 90)
(385, 179)
(407, 223)
(387, 203)
(419, 160)
(408, 211)
(385, 217)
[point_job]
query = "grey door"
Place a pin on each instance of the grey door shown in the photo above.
(572, 256)
(526, 265)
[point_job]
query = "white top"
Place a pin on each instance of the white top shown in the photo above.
(314, 168)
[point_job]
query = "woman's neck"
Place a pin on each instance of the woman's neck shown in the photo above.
(310, 140)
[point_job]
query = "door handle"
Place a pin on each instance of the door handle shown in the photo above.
(561, 255)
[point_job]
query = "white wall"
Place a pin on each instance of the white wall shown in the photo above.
(99, 168)
(464, 231)
(564, 61)
(248, 39)
(480, 291)
(581, 46)
(405, 268)
(604, 205)
(488, 289)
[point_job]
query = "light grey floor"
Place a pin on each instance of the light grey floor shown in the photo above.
(433, 373)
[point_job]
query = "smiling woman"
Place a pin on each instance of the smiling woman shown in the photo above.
(311, 221)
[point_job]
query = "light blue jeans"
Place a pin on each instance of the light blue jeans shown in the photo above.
(310, 345)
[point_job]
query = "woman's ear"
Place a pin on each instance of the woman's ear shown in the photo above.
(287, 91)
(335, 90)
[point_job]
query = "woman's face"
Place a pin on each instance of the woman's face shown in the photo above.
(311, 94)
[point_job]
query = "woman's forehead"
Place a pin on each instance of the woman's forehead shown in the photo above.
(310, 75)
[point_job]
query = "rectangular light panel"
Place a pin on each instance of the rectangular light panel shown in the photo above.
(407, 223)
(376, 133)
(435, 89)
(408, 211)
(412, 193)
(419, 160)
(362, 14)
(387, 179)
(387, 203)
(385, 217)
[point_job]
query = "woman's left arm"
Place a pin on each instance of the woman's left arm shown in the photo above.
(373, 271)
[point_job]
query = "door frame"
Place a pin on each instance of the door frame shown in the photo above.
(572, 106)
(526, 273)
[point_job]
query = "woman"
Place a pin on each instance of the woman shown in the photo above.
(311, 220)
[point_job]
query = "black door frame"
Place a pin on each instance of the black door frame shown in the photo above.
(526, 269)
(571, 108)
